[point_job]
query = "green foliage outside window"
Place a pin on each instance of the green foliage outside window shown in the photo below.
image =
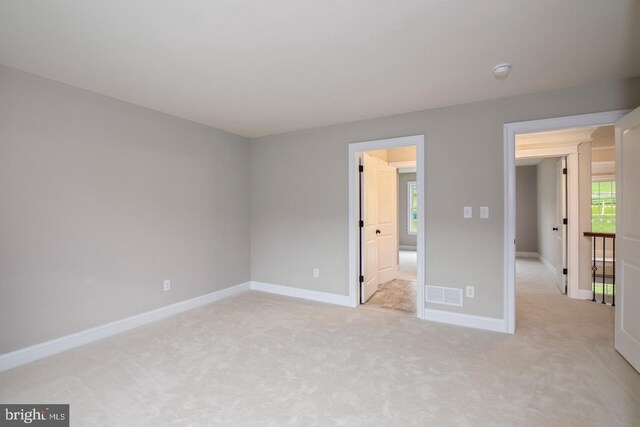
(603, 207)
(413, 207)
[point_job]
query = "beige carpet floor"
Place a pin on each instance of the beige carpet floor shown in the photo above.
(259, 359)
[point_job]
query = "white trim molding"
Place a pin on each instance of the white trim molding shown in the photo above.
(467, 320)
(288, 291)
(527, 255)
(58, 345)
(585, 294)
(552, 269)
(509, 164)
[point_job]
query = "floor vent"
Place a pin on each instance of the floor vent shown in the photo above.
(442, 295)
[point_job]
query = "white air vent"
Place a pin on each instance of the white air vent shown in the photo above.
(447, 296)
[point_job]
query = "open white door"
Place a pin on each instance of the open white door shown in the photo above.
(369, 236)
(380, 234)
(387, 180)
(561, 227)
(627, 329)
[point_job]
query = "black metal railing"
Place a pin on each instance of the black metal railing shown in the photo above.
(603, 265)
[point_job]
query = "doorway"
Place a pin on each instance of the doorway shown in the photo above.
(511, 131)
(382, 272)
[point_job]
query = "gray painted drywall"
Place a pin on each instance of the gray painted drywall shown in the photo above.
(302, 223)
(404, 238)
(526, 209)
(101, 200)
(547, 183)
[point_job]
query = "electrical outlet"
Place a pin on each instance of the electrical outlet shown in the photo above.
(166, 285)
(468, 212)
(471, 291)
(484, 212)
(316, 272)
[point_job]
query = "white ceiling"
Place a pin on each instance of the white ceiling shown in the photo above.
(263, 67)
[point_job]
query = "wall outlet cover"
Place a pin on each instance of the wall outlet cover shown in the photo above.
(470, 291)
(166, 285)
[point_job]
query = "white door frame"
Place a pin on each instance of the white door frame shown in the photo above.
(510, 132)
(354, 210)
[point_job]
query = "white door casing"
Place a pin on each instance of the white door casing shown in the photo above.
(627, 324)
(510, 132)
(354, 155)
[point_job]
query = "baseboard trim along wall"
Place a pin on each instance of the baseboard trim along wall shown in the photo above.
(468, 320)
(343, 300)
(58, 345)
(547, 264)
(585, 294)
(527, 255)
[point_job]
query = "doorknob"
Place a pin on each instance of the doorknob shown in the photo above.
(555, 228)
(377, 231)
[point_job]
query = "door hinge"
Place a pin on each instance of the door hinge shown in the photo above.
(565, 221)
(361, 223)
(361, 279)
(360, 168)
(564, 271)
(564, 171)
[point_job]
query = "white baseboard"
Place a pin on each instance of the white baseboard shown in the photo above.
(468, 320)
(343, 300)
(527, 255)
(58, 345)
(547, 264)
(585, 294)
(407, 248)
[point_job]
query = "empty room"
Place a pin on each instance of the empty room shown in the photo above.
(241, 213)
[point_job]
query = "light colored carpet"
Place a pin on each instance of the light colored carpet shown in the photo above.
(259, 359)
(408, 265)
(396, 294)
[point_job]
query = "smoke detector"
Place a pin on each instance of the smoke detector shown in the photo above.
(501, 70)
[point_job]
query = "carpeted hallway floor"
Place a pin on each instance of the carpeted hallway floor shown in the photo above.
(260, 359)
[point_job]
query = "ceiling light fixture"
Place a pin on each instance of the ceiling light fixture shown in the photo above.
(501, 70)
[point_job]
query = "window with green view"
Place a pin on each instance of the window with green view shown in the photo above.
(412, 207)
(603, 207)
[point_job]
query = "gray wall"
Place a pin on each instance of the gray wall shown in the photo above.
(526, 209)
(547, 212)
(404, 238)
(101, 200)
(301, 224)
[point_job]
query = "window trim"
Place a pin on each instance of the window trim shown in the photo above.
(410, 185)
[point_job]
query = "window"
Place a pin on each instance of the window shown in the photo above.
(412, 207)
(603, 206)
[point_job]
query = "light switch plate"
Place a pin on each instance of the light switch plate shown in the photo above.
(468, 212)
(484, 212)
